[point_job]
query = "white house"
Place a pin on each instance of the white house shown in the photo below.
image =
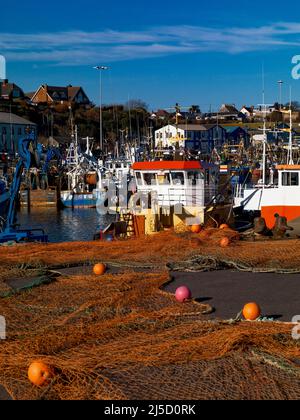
(247, 111)
(198, 137)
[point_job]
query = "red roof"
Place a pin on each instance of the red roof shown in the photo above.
(166, 165)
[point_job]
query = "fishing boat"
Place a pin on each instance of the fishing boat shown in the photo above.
(84, 178)
(118, 170)
(277, 196)
(176, 194)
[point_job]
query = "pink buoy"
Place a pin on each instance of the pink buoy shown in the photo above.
(182, 294)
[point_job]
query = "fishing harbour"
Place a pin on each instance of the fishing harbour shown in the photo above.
(148, 255)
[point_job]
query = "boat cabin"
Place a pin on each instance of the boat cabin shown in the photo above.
(118, 167)
(288, 175)
(190, 183)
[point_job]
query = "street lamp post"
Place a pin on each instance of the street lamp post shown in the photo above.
(101, 69)
(280, 83)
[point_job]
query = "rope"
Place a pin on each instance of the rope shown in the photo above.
(200, 263)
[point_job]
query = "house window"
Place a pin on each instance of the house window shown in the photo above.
(290, 179)
(4, 131)
(19, 131)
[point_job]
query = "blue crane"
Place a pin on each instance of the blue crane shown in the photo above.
(52, 152)
(10, 230)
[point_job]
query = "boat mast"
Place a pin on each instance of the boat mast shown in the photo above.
(264, 134)
(76, 145)
(290, 148)
(264, 152)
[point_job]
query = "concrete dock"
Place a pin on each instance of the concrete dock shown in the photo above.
(228, 292)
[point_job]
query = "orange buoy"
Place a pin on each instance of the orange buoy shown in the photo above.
(251, 311)
(224, 226)
(196, 228)
(99, 269)
(224, 242)
(39, 373)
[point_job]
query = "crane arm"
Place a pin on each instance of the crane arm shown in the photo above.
(24, 163)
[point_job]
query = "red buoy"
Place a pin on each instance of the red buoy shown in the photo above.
(183, 294)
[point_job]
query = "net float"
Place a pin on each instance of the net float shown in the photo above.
(251, 311)
(196, 228)
(183, 294)
(224, 226)
(225, 242)
(99, 269)
(39, 373)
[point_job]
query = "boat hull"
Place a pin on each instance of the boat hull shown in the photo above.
(292, 213)
(82, 200)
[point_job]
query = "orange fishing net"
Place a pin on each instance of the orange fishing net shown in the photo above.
(121, 336)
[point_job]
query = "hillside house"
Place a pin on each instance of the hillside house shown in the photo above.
(55, 94)
(227, 112)
(10, 91)
(247, 111)
(198, 137)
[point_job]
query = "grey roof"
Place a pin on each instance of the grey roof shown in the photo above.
(7, 118)
(197, 127)
(192, 127)
(209, 126)
(228, 108)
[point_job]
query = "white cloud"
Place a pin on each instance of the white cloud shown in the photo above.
(85, 48)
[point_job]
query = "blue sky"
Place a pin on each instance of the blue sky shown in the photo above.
(163, 52)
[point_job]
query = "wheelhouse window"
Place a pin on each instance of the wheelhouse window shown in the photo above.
(163, 178)
(139, 178)
(290, 179)
(178, 178)
(149, 178)
(194, 177)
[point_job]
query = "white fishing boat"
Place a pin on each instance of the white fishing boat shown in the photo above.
(280, 196)
(84, 178)
(174, 193)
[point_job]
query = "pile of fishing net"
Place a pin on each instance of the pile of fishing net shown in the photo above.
(121, 336)
(158, 250)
